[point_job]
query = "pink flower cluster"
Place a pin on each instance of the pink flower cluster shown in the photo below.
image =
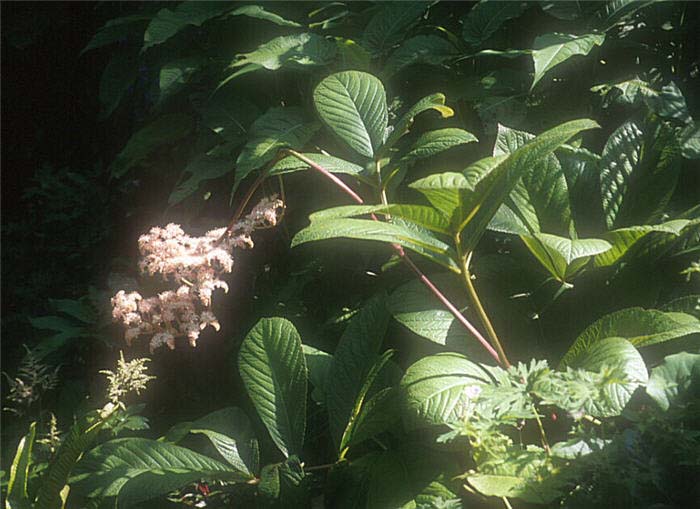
(194, 265)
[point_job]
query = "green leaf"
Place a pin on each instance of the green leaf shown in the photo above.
(367, 384)
(356, 353)
(670, 103)
(422, 49)
(690, 305)
(541, 197)
(333, 164)
(497, 177)
(434, 142)
(445, 191)
(363, 229)
(675, 381)
(301, 49)
(17, 497)
(431, 102)
(421, 215)
(626, 92)
(551, 50)
(563, 258)
(436, 389)
(639, 169)
(390, 23)
(168, 23)
(353, 105)
(614, 353)
(623, 239)
(78, 440)
(176, 74)
(137, 469)
(641, 327)
(165, 130)
(416, 308)
(259, 12)
(278, 128)
(117, 30)
(486, 17)
(318, 363)
(200, 169)
(690, 141)
(229, 115)
(117, 78)
(378, 414)
(273, 369)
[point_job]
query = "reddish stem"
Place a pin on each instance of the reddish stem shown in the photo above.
(402, 254)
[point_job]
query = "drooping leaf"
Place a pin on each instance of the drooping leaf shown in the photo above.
(431, 102)
(259, 12)
(300, 49)
(434, 142)
(137, 469)
(116, 80)
(564, 258)
(200, 169)
(415, 307)
(676, 380)
(278, 128)
(356, 353)
(541, 197)
(623, 239)
(436, 389)
(17, 497)
(364, 229)
(551, 50)
(641, 327)
(353, 105)
(486, 17)
(168, 23)
(421, 215)
(333, 164)
(614, 353)
(163, 131)
(390, 23)
(176, 74)
(422, 49)
(272, 366)
(116, 30)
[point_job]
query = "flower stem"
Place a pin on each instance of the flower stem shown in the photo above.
(402, 254)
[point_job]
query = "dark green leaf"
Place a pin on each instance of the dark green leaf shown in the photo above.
(168, 23)
(422, 49)
(390, 23)
(199, 170)
(486, 17)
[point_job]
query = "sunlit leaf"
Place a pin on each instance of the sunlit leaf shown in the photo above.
(676, 380)
(564, 258)
(551, 50)
(434, 142)
(431, 102)
(17, 497)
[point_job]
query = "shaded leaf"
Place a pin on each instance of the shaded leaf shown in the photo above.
(333, 164)
(300, 49)
(200, 169)
(486, 17)
(431, 102)
(17, 497)
(623, 239)
(168, 23)
(390, 23)
(117, 30)
(434, 142)
(176, 74)
(422, 49)
(318, 363)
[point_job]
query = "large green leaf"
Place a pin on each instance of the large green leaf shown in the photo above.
(137, 469)
(422, 49)
(273, 369)
(434, 142)
(638, 172)
(353, 105)
(415, 307)
(390, 23)
(623, 239)
(494, 184)
(550, 50)
(163, 131)
(445, 191)
(421, 215)
(259, 12)
(563, 258)
(356, 353)
(541, 197)
(202, 168)
(175, 74)
(364, 229)
(333, 164)
(17, 497)
(690, 141)
(487, 16)
(641, 327)
(675, 381)
(378, 414)
(118, 29)
(278, 128)
(431, 102)
(168, 23)
(614, 353)
(318, 363)
(229, 115)
(300, 49)
(437, 389)
(690, 305)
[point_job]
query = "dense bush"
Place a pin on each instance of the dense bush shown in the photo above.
(504, 310)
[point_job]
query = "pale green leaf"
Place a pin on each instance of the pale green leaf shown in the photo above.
(551, 50)
(445, 192)
(353, 105)
(259, 12)
(563, 258)
(17, 497)
(273, 370)
(434, 142)
(333, 164)
(641, 327)
(622, 239)
(676, 380)
(436, 389)
(300, 49)
(421, 215)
